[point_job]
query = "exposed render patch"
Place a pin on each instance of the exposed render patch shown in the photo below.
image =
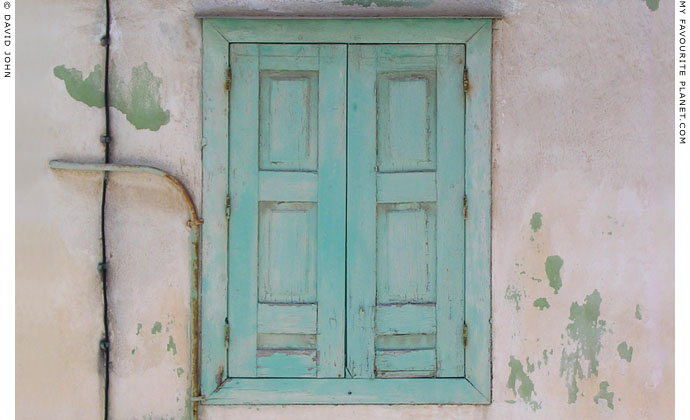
(584, 343)
(552, 266)
(604, 394)
(139, 101)
(387, 3)
(515, 295)
(541, 303)
(535, 222)
(157, 327)
(526, 388)
(625, 351)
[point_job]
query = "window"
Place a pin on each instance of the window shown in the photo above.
(346, 204)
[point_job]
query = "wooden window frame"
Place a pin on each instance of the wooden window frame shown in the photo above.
(475, 386)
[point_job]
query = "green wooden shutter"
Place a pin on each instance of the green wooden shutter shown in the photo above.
(405, 226)
(286, 254)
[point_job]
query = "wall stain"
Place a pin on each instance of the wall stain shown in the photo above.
(515, 295)
(552, 266)
(526, 388)
(171, 345)
(604, 394)
(157, 327)
(139, 100)
(388, 3)
(584, 334)
(542, 304)
(535, 222)
(625, 351)
(638, 314)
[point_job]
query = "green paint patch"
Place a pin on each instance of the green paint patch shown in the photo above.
(653, 5)
(542, 304)
(584, 333)
(552, 266)
(535, 222)
(604, 394)
(87, 91)
(515, 295)
(536, 279)
(526, 388)
(139, 326)
(545, 356)
(387, 3)
(530, 366)
(157, 327)
(179, 371)
(171, 345)
(625, 351)
(139, 100)
(638, 314)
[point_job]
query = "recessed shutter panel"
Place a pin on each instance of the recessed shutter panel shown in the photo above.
(405, 226)
(286, 263)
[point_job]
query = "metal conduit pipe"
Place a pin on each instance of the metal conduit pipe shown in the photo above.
(194, 224)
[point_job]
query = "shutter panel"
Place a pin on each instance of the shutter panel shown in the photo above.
(286, 262)
(405, 238)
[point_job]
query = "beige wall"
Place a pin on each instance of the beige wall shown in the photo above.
(582, 110)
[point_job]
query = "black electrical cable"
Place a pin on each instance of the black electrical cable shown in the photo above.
(102, 266)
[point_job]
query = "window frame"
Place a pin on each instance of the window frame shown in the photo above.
(216, 387)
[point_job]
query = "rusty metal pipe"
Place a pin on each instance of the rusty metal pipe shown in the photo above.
(194, 224)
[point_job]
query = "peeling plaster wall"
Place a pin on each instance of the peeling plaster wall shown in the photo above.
(582, 293)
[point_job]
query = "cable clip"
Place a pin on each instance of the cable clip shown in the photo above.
(104, 344)
(105, 139)
(105, 40)
(102, 266)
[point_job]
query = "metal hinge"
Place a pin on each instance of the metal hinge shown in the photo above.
(464, 207)
(227, 206)
(228, 79)
(465, 81)
(464, 334)
(227, 333)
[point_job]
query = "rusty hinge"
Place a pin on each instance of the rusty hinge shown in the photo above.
(227, 206)
(228, 79)
(227, 333)
(464, 207)
(464, 334)
(465, 81)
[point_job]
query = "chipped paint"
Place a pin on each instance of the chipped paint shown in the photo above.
(542, 304)
(625, 351)
(526, 388)
(157, 327)
(552, 266)
(638, 314)
(387, 3)
(584, 334)
(604, 394)
(171, 345)
(514, 295)
(535, 222)
(138, 100)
